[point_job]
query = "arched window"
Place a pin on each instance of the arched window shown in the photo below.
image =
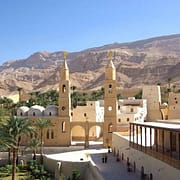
(21, 114)
(52, 134)
(110, 126)
(50, 113)
(110, 88)
(127, 119)
(64, 88)
(34, 113)
(47, 134)
(63, 127)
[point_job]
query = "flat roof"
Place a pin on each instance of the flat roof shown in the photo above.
(159, 125)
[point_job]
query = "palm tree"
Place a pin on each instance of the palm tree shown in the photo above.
(11, 133)
(19, 89)
(42, 124)
(33, 145)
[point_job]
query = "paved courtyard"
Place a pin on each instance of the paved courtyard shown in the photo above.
(113, 170)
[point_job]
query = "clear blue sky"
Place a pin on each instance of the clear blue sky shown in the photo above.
(28, 26)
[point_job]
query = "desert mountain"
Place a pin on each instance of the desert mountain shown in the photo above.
(149, 61)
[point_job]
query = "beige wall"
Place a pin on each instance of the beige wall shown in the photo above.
(159, 169)
(88, 171)
(91, 113)
(174, 106)
(153, 96)
(59, 138)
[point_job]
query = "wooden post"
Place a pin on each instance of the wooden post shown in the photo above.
(133, 135)
(170, 143)
(179, 145)
(145, 138)
(129, 134)
(156, 139)
(137, 135)
(163, 141)
(141, 136)
(150, 138)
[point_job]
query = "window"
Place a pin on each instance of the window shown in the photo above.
(110, 88)
(47, 134)
(132, 110)
(63, 108)
(64, 88)
(110, 126)
(34, 113)
(72, 114)
(119, 120)
(63, 126)
(50, 113)
(85, 114)
(118, 107)
(21, 114)
(52, 134)
(127, 119)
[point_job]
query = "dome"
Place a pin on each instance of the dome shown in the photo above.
(36, 110)
(22, 111)
(51, 110)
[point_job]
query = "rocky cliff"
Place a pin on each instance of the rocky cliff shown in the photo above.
(142, 62)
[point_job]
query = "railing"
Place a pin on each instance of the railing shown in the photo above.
(165, 157)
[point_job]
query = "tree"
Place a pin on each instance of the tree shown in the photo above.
(11, 133)
(41, 124)
(138, 95)
(19, 89)
(33, 145)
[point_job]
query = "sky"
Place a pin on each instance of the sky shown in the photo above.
(29, 26)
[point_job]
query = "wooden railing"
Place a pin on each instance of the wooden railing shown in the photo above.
(165, 157)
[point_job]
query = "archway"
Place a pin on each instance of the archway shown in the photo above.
(95, 135)
(77, 135)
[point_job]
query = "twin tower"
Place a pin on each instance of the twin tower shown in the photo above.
(110, 101)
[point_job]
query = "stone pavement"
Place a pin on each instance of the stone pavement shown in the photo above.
(113, 170)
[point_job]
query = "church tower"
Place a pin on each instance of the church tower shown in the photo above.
(64, 110)
(110, 102)
(64, 91)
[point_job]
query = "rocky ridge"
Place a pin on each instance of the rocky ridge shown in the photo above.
(137, 63)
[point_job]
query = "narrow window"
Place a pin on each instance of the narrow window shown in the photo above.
(132, 110)
(34, 113)
(52, 134)
(127, 119)
(47, 135)
(63, 108)
(63, 127)
(119, 120)
(64, 88)
(50, 113)
(110, 88)
(21, 114)
(110, 128)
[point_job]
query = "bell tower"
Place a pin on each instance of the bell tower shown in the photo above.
(64, 110)
(64, 90)
(110, 102)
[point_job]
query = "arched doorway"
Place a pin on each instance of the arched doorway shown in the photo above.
(95, 135)
(77, 135)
